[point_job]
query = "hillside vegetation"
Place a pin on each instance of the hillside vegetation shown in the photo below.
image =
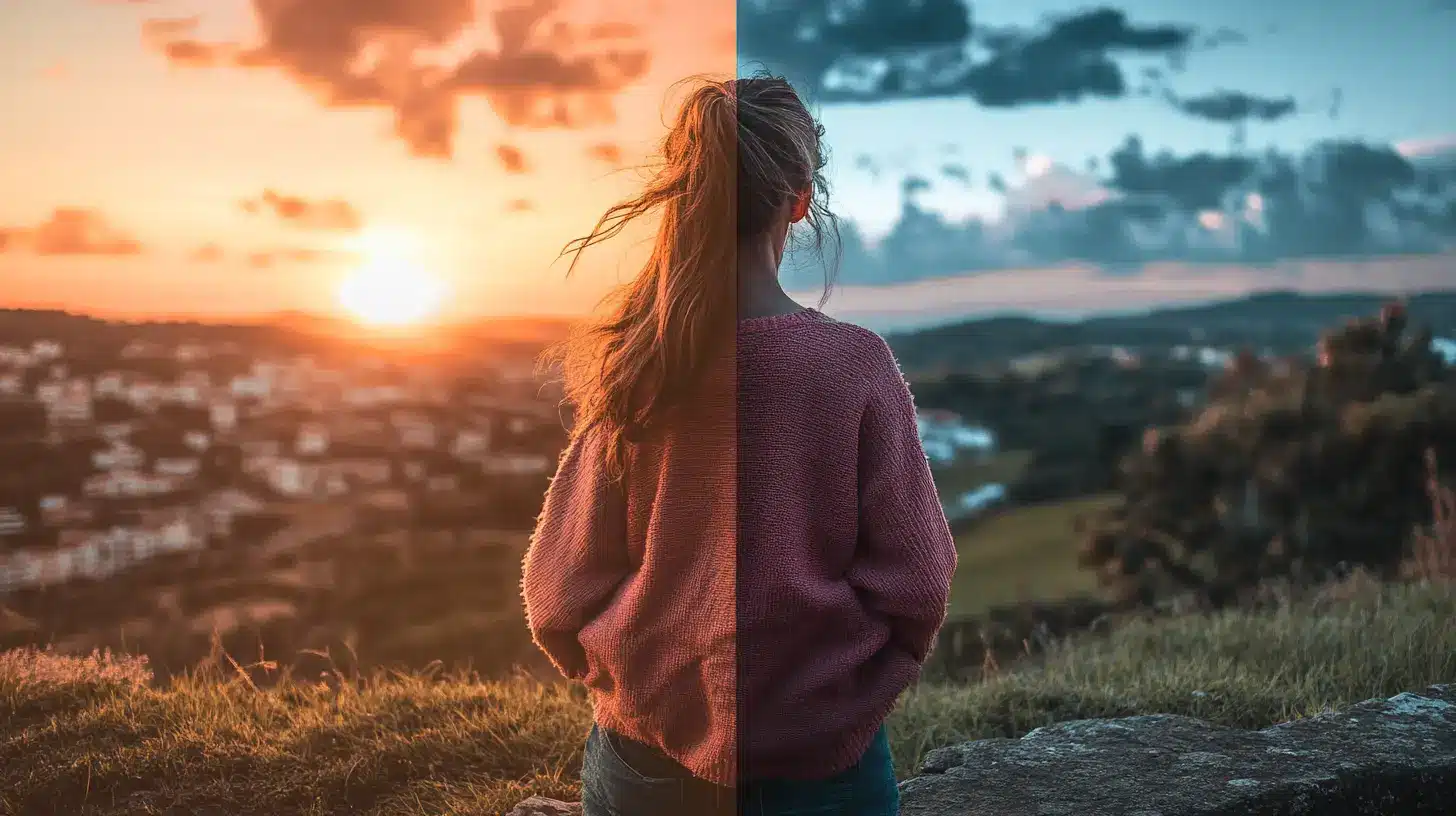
(96, 736)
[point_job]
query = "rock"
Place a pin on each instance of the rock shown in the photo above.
(1395, 756)
(541, 806)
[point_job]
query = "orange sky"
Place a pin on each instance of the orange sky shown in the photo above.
(139, 181)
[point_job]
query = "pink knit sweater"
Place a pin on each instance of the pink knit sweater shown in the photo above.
(756, 594)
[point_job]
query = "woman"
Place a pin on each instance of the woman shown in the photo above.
(742, 554)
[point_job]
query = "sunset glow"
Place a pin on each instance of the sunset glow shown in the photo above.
(392, 288)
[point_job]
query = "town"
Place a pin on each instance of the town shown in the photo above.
(113, 457)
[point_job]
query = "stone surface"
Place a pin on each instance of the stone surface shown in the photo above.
(1395, 756)
(540, 806)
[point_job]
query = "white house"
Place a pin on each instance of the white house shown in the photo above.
(12, 523)
(15, 357)
(254, 387)
(180, 466)
(978, 500)
(197, 441)
(291, 478)
(946, 437)
(469, 444)
(224, 416)
(116, 432)
(127, 483)
(120, 456)
(44, 351)
(516, 464)
(1444, 348)
(312, 440)
(110, 384)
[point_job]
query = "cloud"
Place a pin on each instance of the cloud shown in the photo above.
(1338, 199)
(207, 253)
(287, 256)
(72, 231)
(913, 185)
(1233, 107)
(166, 29)
(333, 215)
(958, 172)
(512, 159)
(887, 49)
(388, 54)
(605, 152)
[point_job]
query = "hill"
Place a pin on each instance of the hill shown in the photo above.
(94, 737)
(1283, 322)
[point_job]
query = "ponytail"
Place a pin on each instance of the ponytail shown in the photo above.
(624, 372)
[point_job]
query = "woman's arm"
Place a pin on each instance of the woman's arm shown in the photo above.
(578, 554)
(906, 554)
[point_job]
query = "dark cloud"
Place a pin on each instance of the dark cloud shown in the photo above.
(326, 214)
(803, 39)
(1190, 183)
(605, 152)
(511, 158)
(959, 172)
(1223, 36)
(913, 185)
(884, 49)
(1234, 107)
(72, 231)
(376, 53)
(1339, 199)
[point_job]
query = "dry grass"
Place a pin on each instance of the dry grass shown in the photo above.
(1433, 553)
(91, 736)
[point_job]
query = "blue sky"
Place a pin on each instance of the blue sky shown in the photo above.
(1392, 63)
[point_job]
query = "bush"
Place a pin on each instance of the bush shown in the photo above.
(1292, 471)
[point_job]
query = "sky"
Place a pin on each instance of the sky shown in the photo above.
(219, 158)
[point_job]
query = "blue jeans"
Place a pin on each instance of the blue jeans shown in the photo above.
(622, 777)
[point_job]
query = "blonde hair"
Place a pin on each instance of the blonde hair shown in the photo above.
(738, 150)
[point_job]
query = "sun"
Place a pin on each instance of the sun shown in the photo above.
(391, 288)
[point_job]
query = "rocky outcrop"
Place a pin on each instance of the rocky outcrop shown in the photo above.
(1395, 756)
(1378, 758)
(541, 806)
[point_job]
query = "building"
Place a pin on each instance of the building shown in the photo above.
(184, 467)
(223, 416)
(12, 523)
(312, 440)
(946, 437)
(120, 456)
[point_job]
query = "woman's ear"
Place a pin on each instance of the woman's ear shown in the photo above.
(801, 208)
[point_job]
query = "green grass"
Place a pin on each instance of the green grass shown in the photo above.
(93, 737)
(1005, 468)
(1024, 553)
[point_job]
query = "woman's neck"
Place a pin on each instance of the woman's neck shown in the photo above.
(759, 292)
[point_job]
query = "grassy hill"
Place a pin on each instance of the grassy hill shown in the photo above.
(1023, 554)
(94, 736)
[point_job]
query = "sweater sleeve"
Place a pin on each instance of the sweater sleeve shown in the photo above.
(905, 555)
(577, 556)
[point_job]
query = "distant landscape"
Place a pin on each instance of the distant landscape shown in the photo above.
(322, 499)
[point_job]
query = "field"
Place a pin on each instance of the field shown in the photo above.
(1020, 554)
(94, 737)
